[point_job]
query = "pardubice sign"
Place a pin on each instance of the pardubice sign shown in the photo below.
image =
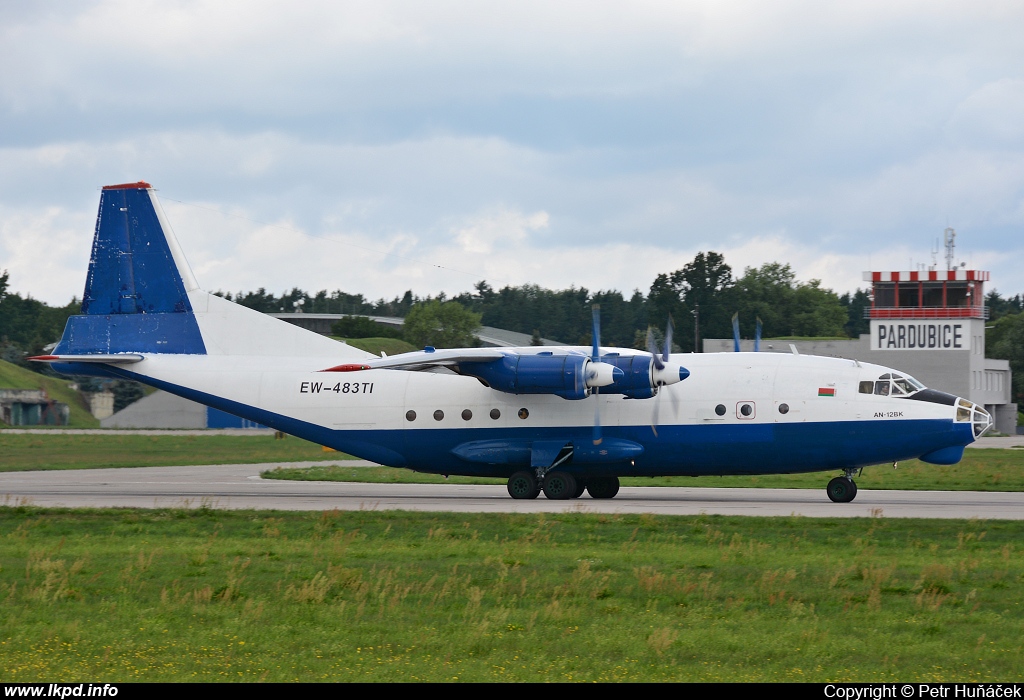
(919, 335)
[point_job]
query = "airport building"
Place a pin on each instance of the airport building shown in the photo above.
(929, 324)
(167, 411)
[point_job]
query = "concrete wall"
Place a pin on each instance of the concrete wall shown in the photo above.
(101, 404)
(159, 410)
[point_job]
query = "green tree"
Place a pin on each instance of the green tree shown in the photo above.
(999, 307)
(362, 327)
(1005, 340)
(27, 325)
(767, 293)
(441, 324)
(126, 392)
(856, 324)
(817, 311)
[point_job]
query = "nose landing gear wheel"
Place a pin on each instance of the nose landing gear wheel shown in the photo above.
(523, 485)
(842, 489)
(559, 486)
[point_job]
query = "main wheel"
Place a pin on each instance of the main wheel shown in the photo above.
(581, 486)
(523, 485)
(559, 486)
(842, 489)
(603, 487)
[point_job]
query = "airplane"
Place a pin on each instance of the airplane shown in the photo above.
(555, 420)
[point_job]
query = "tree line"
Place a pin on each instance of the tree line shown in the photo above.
(701, 297)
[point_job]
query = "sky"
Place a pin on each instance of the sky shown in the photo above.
(382, 146)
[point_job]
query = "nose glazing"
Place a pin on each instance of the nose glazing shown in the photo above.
(978, 417)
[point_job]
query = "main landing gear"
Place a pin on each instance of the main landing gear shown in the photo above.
(842, 489)
(560, 486)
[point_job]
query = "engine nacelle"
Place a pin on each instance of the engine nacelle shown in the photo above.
(575, 376)
(562, 375)
(636, 376)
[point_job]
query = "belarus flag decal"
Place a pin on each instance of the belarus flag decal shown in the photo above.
(826, 391)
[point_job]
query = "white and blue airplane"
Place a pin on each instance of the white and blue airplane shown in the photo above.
(559, 420)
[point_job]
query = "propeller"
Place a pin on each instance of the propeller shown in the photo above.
(595, 359)
(663, 371)
(599, 373)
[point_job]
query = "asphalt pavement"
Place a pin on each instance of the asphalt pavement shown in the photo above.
(239, 486)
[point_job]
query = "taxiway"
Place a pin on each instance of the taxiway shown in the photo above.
(239, 486)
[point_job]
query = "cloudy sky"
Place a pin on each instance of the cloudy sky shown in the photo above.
(380, 146)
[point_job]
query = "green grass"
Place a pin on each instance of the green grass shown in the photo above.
(392, 346)
(58, 451)
(123, 595)
(980, 470)
(14, 377)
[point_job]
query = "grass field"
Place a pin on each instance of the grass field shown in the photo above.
(980, 470)
(392, 346)
(14, 377)
(19, 452)
(119, 595)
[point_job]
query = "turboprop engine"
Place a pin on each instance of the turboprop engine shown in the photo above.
(569, 376)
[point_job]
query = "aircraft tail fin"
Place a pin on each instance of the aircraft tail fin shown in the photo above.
(141, 296)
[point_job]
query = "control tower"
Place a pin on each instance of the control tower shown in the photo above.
(928, 309)
(929, 323)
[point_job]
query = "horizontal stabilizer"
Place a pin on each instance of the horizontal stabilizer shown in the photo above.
(126, 358)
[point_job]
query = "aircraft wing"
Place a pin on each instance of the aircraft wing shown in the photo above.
(425, 359)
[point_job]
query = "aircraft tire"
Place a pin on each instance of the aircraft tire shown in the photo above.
(523, 485)
(581, 486)
(603, 487)
(841, 489)
(559, 486)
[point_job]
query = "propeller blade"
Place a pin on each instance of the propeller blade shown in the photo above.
(736, 331)
(595, 356)
(669, 328)
(654, 415)
(757, 336)
(652, 348)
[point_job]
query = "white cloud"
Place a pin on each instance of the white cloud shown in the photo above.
(586, 143)
(503, 228)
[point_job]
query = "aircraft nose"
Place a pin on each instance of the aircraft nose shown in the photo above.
(978, 417)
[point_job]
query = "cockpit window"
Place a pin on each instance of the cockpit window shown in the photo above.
(891, 384)
(904, 386)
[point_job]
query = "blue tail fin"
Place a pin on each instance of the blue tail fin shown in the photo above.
(132, 269)
(136, 292)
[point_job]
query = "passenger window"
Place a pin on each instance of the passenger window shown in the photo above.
(867, 387)
(745, 410)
